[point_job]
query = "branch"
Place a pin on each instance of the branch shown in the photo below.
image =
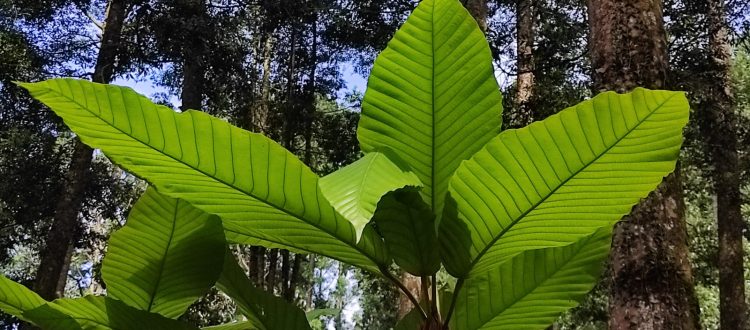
(405, 290)
(91, 17)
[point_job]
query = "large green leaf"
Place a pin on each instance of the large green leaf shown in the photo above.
(263, 194)
(15, 298)
(408, 228)
(560, 179)
(530, 290)
(432, 96)
(166, 256)
(263, 309)
(356, 189)
(92, 312)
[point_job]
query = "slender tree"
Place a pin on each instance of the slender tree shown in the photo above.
(55, 258)
(193, 54)
(651, 276)
(719, 129)
(525, 61)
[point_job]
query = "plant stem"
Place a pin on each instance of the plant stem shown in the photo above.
(405, 290)
(459, 284)
(435, 309)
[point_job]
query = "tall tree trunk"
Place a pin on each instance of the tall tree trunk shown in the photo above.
(193, 57)
(719, 129)
(273, 260)
(478, 9)
(55, 258)
(259, 123)
(652, 284)
(286, 268)
(309, 117)
(261, 116)
(525, 61)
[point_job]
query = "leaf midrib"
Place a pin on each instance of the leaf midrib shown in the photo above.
(563, 183)
(432, 104)
(163, 262)
(351, 245)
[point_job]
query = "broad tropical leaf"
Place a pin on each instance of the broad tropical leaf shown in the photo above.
(408, 228)
(15, 299)
(530, 290)
(263, 309)
(560, 179)
(166, 256)
(432, 96)
(356, 189)
(263, 194)
(93, 312)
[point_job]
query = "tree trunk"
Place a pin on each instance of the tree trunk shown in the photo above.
(55, 258)
(651, 276)
(525, 47)
(296, 277)
(413, 283)
(261, 116)
(286, 269)
(193, 57)
(478, 9)
(719, 129)
(273, 260)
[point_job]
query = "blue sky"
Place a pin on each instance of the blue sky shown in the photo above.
(145, 86)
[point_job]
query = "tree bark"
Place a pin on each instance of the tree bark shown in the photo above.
(261, 116)
(55, 258)
(193, 57)
(478, 10)
(719, 129)
(273, 260)
(651, 277)
(525, 60)
(286, 269)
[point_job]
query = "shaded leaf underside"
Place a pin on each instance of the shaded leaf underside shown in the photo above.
(166, 256)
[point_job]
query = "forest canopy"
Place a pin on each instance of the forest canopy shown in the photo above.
(398, 171)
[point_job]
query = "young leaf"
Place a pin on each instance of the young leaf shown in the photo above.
(530, 290)
(166, 256)
(15, 299)
(356, 189)
(408, 228)
(263, 194)
(432, 96)
(263, 309)
(93, 312)
(560, 179)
